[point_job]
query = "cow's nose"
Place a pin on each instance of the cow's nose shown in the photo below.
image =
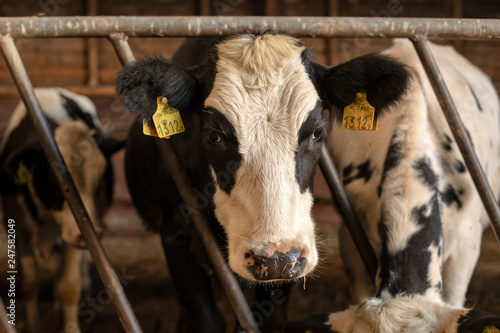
(277, 266)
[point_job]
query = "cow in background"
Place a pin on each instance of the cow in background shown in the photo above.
(32, 198)
(252, 109)
(417, 202)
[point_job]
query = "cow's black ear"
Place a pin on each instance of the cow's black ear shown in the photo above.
(141, 82)
(384, 79)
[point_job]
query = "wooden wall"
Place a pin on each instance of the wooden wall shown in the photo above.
(67, 63)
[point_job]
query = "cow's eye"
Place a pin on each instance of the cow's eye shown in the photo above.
(214, 138)
(318, 134)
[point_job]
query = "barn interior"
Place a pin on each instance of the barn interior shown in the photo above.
(89, 67)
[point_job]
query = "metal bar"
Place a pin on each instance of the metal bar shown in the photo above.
(108, 275)
(459, 132)
(348, 214)
(186, 26)
(5, 327)
(184, 187)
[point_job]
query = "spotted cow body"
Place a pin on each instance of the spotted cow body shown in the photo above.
(31, 197)
(411, 190)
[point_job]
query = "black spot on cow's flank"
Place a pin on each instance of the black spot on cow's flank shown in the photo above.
(346, 172)
(393, 159)
(460, 166)
(450, 196)
(476, 99)
(364, 172)
(407, 271)
(425, 172)
(447, 142)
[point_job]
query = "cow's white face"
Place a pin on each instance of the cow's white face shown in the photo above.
(262, 96)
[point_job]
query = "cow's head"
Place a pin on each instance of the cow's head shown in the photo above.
(86, 154)
(261, 99)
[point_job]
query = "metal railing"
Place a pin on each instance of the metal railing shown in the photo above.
(118, 29)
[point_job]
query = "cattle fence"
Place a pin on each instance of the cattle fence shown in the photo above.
(118, 29)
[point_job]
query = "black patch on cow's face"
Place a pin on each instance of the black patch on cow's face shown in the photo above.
(450, 196)
(447, 142)
(76, 113)
(221, 147)
(364, 172)
(476, 99)
(407, 271)
(393, 159)
(476, 321)
(311, 138)
(347, 170)
(425, 173)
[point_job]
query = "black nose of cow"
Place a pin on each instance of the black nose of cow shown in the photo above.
(278, 266)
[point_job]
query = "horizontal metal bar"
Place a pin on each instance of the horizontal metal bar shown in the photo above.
(183, 184)
(65, 182)
(348, 214)
(186, 26)
(459, 132)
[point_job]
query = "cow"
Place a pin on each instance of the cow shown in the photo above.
(251, 105)
(33, 201)
(417, 202)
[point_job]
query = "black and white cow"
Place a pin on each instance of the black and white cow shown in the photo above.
(411, 190)
(252, 107)
(31, 197)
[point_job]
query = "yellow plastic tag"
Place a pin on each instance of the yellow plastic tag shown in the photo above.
(491, 329)
(359, 115)
(23, 174)
(148, 129)
(167, 119)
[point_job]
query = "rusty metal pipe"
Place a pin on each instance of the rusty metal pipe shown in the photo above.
(184, 187)
(459, 132)
(345, 208)
(65, 182)
(185, 26)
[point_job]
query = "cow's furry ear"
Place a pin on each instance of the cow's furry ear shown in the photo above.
(384, 79)
(141, 82)
(29, 155)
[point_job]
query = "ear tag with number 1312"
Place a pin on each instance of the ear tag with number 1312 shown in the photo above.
(359, 115)
(167, 121)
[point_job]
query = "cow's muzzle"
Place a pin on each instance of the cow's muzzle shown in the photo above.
(277, 266)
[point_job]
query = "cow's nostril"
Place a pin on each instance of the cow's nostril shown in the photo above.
(278, 266)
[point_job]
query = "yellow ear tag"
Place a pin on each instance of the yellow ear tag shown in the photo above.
(491, 329)
(359, 115)
(167, 120)
(23, 174)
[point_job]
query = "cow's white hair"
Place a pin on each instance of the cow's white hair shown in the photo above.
(262, 87)
(401, 314)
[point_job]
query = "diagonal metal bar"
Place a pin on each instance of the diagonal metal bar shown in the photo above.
(5, 327)
(184, 187)
(345, 208)
(68, 188)
(459, 132)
